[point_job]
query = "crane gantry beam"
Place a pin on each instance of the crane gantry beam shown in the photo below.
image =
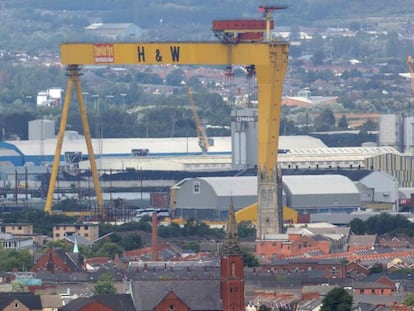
(270, 60)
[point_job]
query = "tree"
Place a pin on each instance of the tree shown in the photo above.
(108, 249)
(338, 299)
(106, 285)
(11, 259)
(246, 229)
(250, 260)
(18, 287)
(377, 268)
(357, 226)
(343, 123)
(409, 300)
(325, 121)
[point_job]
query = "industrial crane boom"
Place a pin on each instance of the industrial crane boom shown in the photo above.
(203, 141)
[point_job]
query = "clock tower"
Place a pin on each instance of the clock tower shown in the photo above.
(232, 273)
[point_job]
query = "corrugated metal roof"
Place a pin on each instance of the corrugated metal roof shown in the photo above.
(300, 142)
(236, 186)
(319, 184)
(119, 146)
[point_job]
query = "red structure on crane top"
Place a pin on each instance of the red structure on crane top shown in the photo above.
(239, 30)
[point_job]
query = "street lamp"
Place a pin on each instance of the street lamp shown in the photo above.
(123, 101)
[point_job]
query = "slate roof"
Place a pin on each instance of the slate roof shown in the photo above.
(363, 240)
(31, 301)
(115, 302)
(196, 294)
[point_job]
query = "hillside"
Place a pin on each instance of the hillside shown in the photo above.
(184, 12)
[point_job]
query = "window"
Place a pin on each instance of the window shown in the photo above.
(58, 235)
(86, 235)
(196, 187)
(16, 305)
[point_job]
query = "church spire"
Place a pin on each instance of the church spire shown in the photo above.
(75, 246)
(231, 245)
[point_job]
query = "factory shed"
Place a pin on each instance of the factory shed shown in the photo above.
(10, 153)
(321, 193)
(209, 197)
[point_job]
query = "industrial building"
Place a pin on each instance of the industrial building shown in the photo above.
(208, 197)
(321, 193)
(305, 191)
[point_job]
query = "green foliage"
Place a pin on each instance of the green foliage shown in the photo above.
(409, 300)
(193, 227)
(192, 246)
(357, 226)
(246, 230)
(383, 223)
(18, 287)
(175, 77)
(127, 241)
(107, 249)
(172, 230)
(343, 123)
(106, 285)
(250, 260)
(325, 121)
(63, 244)
(11, 260)
(338, 299)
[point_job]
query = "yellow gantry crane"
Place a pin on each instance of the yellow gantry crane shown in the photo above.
(270, 60)
(203, 140)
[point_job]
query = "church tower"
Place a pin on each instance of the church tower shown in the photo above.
(232, 273)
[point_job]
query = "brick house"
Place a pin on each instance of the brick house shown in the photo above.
(178, 295)
(357, 268)
(20, 302)
(372, 288)
(57, 260)
(330, 268)
(293, 245)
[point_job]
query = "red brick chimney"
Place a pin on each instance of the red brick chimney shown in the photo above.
(154, 237)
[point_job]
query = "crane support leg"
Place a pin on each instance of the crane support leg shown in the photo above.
(73, 73)
(270, 84)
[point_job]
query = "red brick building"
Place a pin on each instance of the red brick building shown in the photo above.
(294, 245)
(57, 260)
